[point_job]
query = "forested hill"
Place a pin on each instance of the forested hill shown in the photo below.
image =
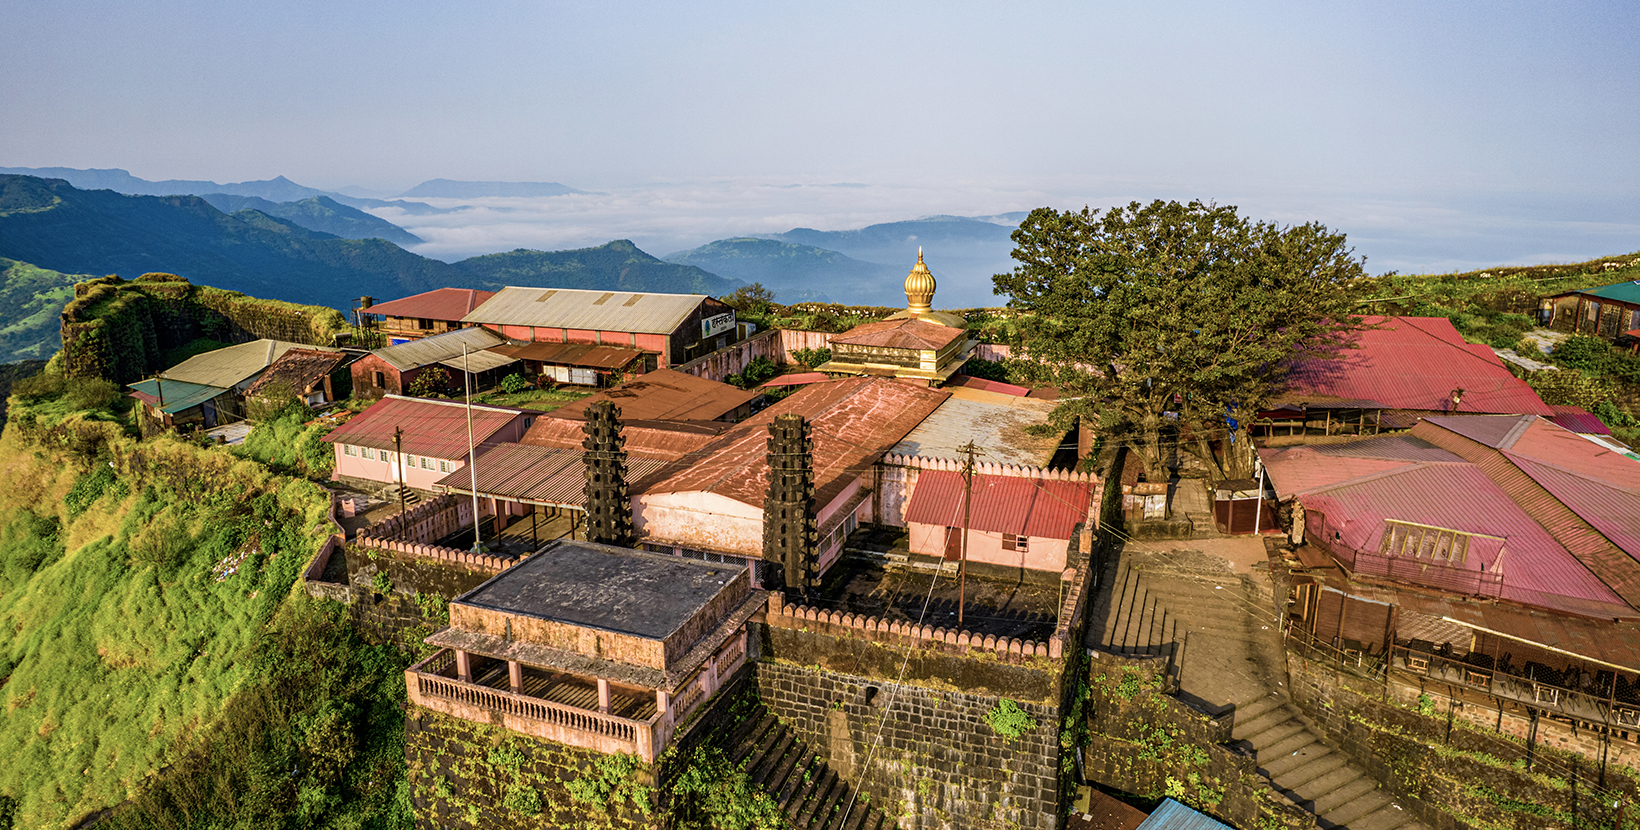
(797, 273)
(319, 213)
(616, 265)
(52, 225)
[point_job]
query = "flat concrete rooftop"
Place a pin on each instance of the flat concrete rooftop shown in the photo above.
(602, 586)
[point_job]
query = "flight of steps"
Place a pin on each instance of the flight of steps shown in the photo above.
(411, 497)
(810, 793)
(1226, 655)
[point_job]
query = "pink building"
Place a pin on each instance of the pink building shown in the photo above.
(1014, 523)
(433, 443)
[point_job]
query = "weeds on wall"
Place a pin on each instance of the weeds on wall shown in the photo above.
(712, 793)
(1008, 720)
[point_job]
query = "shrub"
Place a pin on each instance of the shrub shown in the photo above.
(752, 299)
(985, 369)
(1590, 354)
(276, 400)
(522, 800)
(433, 380)
(812, 358)
(514, 383)
(41, 387)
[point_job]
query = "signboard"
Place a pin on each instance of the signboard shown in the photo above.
(717, 324)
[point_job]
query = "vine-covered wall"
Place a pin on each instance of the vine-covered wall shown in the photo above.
(119, 329)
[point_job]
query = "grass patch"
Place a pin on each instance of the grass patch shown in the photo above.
(540, 400)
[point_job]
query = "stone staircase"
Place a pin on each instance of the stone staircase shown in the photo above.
(810, 793)
(1225, 654)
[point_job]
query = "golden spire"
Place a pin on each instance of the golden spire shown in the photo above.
(919, 287)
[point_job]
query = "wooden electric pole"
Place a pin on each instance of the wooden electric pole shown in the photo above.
(398, 461)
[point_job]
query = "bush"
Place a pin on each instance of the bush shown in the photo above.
(514, 383)
(1611, 415)
(274, 401)
(812, 358)
(432, 381)
(759, 370)
(43, 386)
(91, 394)
(985, 369)
(1589, 354)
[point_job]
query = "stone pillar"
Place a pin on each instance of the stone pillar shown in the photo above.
(609, 505)
(663, 701)
(603, 695)
(789, 532)
(515, 676)
(464, 667)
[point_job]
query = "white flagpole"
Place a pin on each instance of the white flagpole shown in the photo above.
(472, 454)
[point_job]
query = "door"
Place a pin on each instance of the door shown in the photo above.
(953, 544)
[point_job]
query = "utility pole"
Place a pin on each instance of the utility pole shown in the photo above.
(967, 451)
(472, 452)
(398, 461)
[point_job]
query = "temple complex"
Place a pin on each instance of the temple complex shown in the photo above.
(918, 345)
(590, 645)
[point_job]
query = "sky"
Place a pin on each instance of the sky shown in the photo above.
(1438, 136)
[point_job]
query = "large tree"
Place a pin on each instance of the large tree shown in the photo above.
(1169, 326)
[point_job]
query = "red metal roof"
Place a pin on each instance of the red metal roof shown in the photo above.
(666, 395)
(666, 440)
(1415, 363)
(799, 379)
(301, 368)
(853, 422)
(967, 382)
(903, 333)
(435, 428)
(535, 475)
(1001, 504)
(1579, 420)
(447, 304)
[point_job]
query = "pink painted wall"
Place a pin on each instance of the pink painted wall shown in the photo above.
(1042, 554)
(582, 336)
(368, 463)
(517, 332)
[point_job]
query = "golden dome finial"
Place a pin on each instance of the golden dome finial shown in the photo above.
(919, 287)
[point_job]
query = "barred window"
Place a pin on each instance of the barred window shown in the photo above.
(426, 463)
(443, 466)
(1012, 542)
(349, 449)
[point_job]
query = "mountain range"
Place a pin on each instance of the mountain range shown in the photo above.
(448, 189)
(277, 189)
(318, 213)
(56, 228)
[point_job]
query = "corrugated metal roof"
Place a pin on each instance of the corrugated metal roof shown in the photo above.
(1415, 363)
(907, 333)
(1579, 420)
(967, 382)
(1390, 447)
(574, 308)
(535, 475)
(997, 426)
(476, 362)
(447, 304)
(1172, 815)
(666, 440)
(1626, 292)
(439, 348)
(666, 395)
(572, 354)
(431, 427)
(230, 366)
(1001, 504)
(799, 379)
(853, 422)
(178, 394)
(1614, 512)
(301, 368)
(1553, 444)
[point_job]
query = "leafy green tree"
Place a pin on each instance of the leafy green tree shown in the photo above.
(750, 299)
(433, 380)
(1161, 321)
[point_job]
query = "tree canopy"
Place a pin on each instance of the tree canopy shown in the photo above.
(1164, 323)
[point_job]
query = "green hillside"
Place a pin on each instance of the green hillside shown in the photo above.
(318, 213)
(30, 300)
(51, 224)
(797, 273)
(618, 265)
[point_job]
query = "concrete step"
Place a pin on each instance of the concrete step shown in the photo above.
(1346, 814)
(1252, 710)
(1388, 817)
(1274, 768)
(1286, 747)
(1276, 733)
(1326, 775)
(765, 766)
(1346, 794)
(1255, 724)
(822, 791)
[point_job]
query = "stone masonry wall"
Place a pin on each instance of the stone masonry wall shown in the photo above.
(1138, 738)
(935, 762)
(1459, 764)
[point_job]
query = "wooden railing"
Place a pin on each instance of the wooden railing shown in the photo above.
(529, 707)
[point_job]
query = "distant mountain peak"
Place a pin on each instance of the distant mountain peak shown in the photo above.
(453, 189)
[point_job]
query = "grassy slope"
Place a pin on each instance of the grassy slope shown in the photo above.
(30, 299)
(139, 603)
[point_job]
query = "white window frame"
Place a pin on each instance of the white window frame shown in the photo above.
(349, 449)
(443, 465)
(426, 462)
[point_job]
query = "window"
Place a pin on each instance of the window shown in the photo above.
(426, 463)
(443, 466)
(410, 461)
(1428, 542)
(381, 379)
(349, 449)
(386, 456)
(1012, 542)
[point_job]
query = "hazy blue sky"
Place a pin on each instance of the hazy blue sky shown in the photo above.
(1435, 134)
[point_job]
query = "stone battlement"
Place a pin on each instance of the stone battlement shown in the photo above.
(781, 615)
